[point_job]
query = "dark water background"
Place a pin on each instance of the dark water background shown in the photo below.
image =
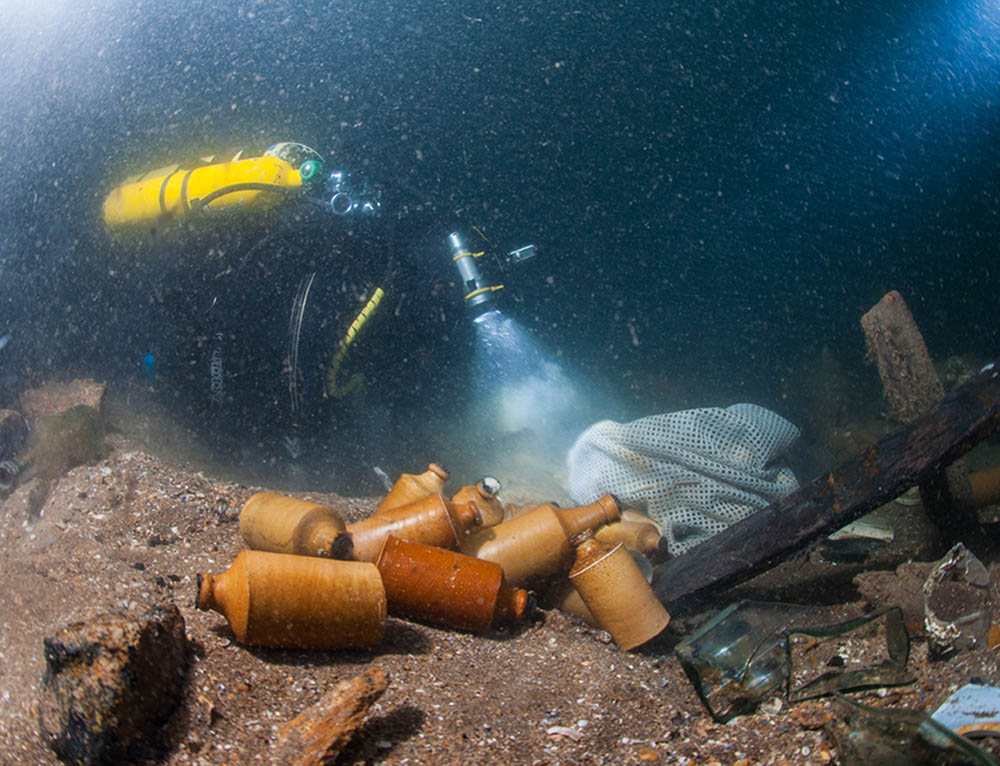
(718, 190)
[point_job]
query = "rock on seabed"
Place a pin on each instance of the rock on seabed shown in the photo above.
(110, 683)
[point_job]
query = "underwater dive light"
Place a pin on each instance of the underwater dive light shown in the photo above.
(478, 294)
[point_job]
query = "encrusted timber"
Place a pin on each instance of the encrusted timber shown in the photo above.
(912, 385)
(872, 477)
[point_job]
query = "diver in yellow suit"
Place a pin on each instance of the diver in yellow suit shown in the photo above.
(147, 204)
(277, 267)
(267, 318)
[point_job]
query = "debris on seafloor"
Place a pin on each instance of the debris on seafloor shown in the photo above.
(448, 589)
(569, 732)
(484, 495)
(857, 540)
(13, 433)
(260, 595)
(298, 602)
(410, 487)
(957, 603)
(109, 683)
(867, 735)
(55, 397)
(55, 444)
(737, 659)
(615, 591)
(751, 651)
(432, 520)
(903, 587)
(972, 711)
(867, 652)
(316, 736)
(535, 546)
(280, 524)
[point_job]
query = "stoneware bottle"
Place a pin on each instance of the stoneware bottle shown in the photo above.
(431, 520)
(535, 545)
(282, 524)
(630, 514)
(616, 592)
(298, 602)
(414, 486)
(448, 589)
(639, 536)
(564, 597)
(484, 494)
(510, 510)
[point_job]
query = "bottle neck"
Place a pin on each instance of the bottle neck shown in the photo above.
(466, 515)
(603, 511)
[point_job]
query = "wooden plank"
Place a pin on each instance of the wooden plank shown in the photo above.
(857, 486)
(912, 387)
(908, 376)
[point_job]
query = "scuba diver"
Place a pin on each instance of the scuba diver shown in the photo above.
(269, 278)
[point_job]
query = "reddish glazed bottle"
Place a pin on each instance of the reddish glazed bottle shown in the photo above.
(281, 524)
(535, 545)
(448, 589)
(297, 602)
(431, 520)
(410, 487)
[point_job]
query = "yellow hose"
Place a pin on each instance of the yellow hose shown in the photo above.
(357, 379)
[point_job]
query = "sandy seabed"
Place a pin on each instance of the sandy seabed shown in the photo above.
(135, 530)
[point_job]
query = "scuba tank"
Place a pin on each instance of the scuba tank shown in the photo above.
(250, 185)
(148, 203)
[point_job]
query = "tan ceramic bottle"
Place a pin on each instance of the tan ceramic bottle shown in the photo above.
(535, 545)
(410, 487)
(431, 520)
(564, 597)
(282, 524)
(448, 589)
(616, 592)
(297, 602)
(639, 536)
(484, 494)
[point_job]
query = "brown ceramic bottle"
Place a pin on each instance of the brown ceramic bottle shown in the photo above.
(448, 589)
(510, 510)
(985, 487)
(630, 514)
(281, 524)
(535, 545)
(410, 487)
(639, 536)
(484, 494)
(431, 520)
(297, 602)
(615, 591)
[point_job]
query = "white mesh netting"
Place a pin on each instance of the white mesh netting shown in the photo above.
(694, 472)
